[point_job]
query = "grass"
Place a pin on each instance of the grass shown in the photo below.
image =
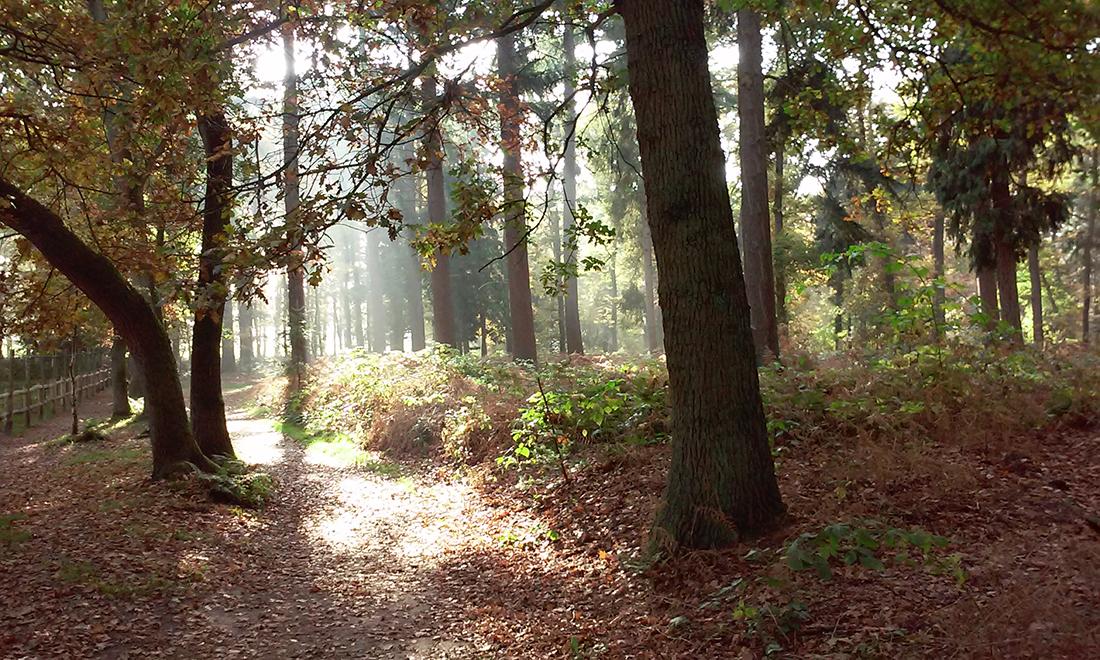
(94, 455)
(338, 450)
(87, 574)
(10, 534)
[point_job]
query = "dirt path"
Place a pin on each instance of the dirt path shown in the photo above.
(341, 564)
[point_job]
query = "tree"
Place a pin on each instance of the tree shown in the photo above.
(120, 406)
(573, 340)
(207, 403)
(722, 479)
(296, 275)
(515, 207)
(443, 312)
(174, 446)
(1086, 251)
(755, 220)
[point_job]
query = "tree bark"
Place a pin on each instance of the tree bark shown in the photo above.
(573, 340)
(120, 396)
(207, 404)
(130, 314)
(443, 306)
(939, 297)
(248, 340)
(755, 221)
(722, 478)
(229, 353)
(1086, 251)
(777, 205)
(515, 210)
(296, 279)
(654, 338)
(376, 304)
(1036, 295)
(1008, 294)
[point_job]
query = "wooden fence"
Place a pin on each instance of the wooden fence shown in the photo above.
(36, 387)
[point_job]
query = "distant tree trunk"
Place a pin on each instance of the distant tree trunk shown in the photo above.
(613, 274)
(721, 479)
(376, 303)
(780, 272)
(1007, 293)
(207, 404)
(356, 313)
(296, 275)
(1086, 252)
(1036, 295)
(229, 357)
(515, 210)
(837, 280)
(346, 290)
(654, 339)
(573, 340)
(443, 306)
(248, 341)
(559, 296)
(129, 313)
(415, 296)
(939, 297)
(484, 335)
(120, 395)
(755, 223)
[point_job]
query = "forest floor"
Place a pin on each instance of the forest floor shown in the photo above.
(361, 556)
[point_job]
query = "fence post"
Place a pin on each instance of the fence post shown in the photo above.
(9, 417)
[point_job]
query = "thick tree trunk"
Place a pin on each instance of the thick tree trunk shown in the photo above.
(207, 404)
(573, 340)
(939, 297)
(837, 280)
(1036, 295)
(722, 479)
(296, 277)
(755, 221)
(443, 306)
(120, 406)
(515, 210)
(130, 314)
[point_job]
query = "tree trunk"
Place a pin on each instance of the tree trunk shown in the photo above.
(573, 341)
(654, 338)
(515, 210)
(1007, 293)
(837, 280)
(229, 357)
(207, 404)
(248, 341)
(1086, 252)
(376, 304)
(130, 314)
(780, 272)
(939, 296)
(119, 386)
(1036, 295)
(722, 479)
(346, 288)
(443, 306)
(755, 223)
(296, 276)
(559, 296)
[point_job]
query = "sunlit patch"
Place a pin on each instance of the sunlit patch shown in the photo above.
(256, 441)
(401, 518)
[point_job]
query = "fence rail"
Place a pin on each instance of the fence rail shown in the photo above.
(34, 388)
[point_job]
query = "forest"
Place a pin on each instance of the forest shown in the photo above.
(549, 329)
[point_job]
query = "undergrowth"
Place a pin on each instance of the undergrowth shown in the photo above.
(472, 410)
